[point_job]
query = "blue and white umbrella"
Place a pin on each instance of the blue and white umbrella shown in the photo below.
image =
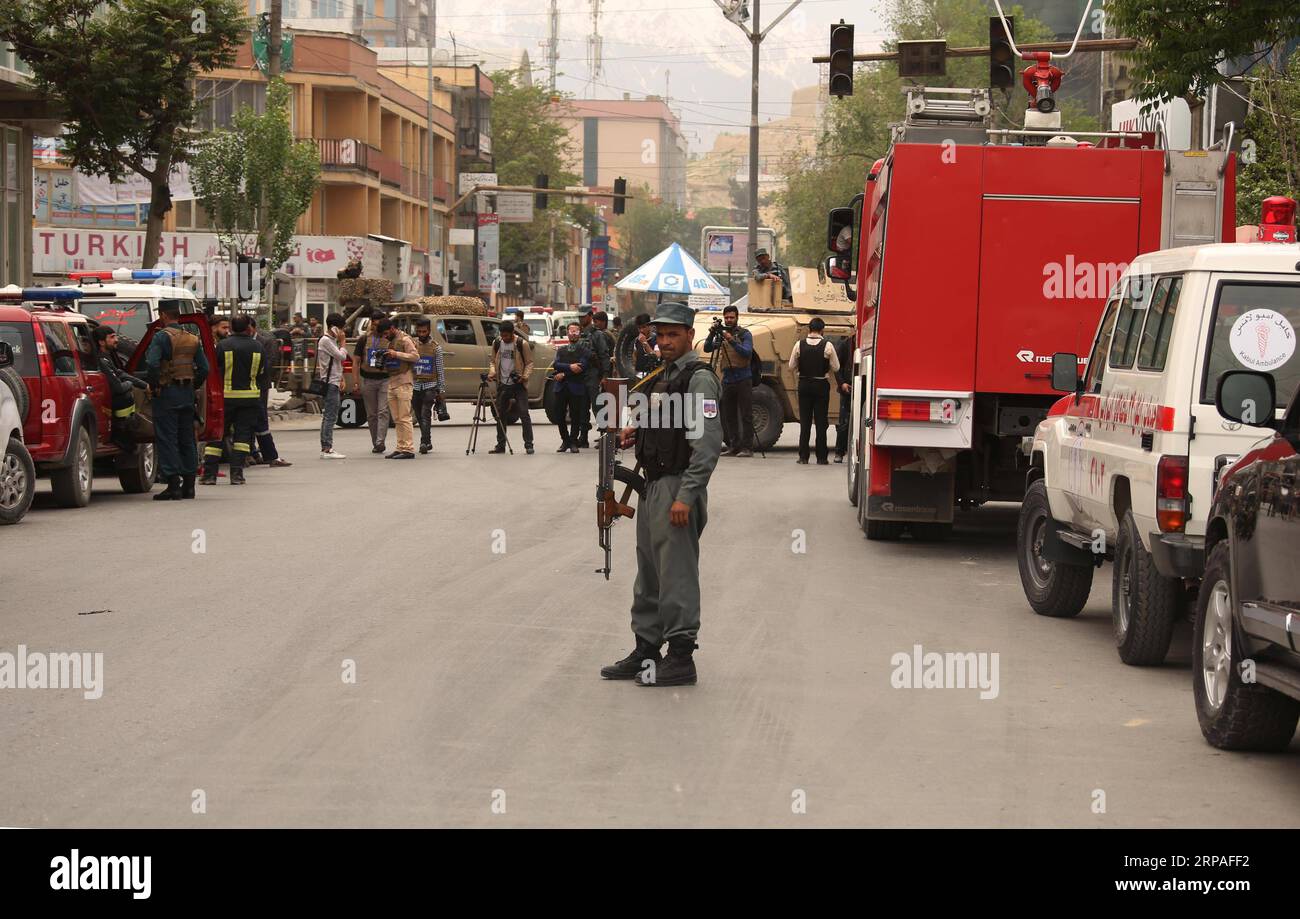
(672, 271)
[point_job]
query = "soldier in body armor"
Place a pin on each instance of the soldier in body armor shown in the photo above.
(601, 345)
(175, 366)
(678, 449)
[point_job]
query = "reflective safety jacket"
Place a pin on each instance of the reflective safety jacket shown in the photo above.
(242, 363)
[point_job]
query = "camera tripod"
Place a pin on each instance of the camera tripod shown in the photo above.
(483, 405)
(719, 353)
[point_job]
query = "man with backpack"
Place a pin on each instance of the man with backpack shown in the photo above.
(512, 364)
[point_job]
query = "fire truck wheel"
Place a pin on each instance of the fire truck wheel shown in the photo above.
(1144, 605)
(853, 467)
(1052, 589)
(882, 530)
(1234, 714)
(768, 417)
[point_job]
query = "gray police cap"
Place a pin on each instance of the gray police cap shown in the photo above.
(673, 312)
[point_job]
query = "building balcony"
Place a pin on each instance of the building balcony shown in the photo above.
(343, 153)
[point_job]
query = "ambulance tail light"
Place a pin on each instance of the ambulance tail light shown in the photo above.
(1277, 220)
(1171, 494)
(941, 410)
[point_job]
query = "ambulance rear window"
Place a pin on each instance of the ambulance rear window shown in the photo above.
(126, 317)
(1254, 328)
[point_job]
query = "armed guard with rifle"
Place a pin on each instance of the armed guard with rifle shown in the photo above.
(677, 436)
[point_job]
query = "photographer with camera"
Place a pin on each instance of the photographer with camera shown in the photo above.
(512, 364)
(430, 382)
(373, 384)
(737, 347)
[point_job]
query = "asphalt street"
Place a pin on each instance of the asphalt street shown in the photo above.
(460, 591)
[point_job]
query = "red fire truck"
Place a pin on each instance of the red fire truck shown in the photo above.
(977, 253)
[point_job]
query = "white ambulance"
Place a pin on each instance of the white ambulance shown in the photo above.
(1125, 467)
(127, 299)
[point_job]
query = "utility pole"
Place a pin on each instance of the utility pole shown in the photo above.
(428, 177)
(273, 41)
(553, 46)
(735, 12)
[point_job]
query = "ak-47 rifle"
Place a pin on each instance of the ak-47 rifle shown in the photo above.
(608, 507)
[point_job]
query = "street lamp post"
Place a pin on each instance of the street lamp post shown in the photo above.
(736, 12)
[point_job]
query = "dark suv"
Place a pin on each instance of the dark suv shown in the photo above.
(67, 422)
(1246, 665)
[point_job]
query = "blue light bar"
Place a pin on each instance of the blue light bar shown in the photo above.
(146, 274)
(44, 294)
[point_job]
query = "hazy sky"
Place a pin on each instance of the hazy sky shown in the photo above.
(653, 43)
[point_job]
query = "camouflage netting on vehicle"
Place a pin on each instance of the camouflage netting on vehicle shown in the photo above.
(453, 306)
(371, 290)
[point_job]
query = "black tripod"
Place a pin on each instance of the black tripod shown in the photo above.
(720, 351)
(482, 406)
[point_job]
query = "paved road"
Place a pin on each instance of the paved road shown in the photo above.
(476, 671)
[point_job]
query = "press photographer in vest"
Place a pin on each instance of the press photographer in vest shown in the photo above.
(512, 364)
(737, 347)
(370, 361)
(430, 381)
(175, 366)
(677, 440)
(816, 365)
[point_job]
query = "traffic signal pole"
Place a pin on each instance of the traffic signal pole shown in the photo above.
(755, 36)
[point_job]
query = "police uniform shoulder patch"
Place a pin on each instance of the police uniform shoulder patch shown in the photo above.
(710, 408)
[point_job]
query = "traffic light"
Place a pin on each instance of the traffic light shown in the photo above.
(841, 77)
(540, 198)
(1002, 69)
(620, 188)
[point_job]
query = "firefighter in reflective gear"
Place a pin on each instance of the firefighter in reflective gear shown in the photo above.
(175, 367)
(678, 437)
(241, 362)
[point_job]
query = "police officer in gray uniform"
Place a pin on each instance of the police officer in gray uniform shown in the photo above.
(677, 450)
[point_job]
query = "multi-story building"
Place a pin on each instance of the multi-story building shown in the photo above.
(638, 139)
(23, 115)
(378, 180)
(379, 23)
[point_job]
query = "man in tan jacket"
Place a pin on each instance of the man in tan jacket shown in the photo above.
(512, 364)
(402, 356)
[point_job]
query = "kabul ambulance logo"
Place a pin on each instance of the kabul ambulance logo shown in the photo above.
(1262, 340)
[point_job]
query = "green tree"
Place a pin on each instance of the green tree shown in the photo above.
(123, 76)
(856, 132)
(1270, 156)
(650, 226)
(529, 140)
(1183, 42)
(255, 180)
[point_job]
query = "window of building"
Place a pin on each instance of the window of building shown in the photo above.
(191, 215)
(218, 100)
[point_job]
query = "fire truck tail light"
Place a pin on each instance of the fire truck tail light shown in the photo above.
(1171, 494)
(916, 410)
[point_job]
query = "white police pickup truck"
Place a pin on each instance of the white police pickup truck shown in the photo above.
(1124, 468)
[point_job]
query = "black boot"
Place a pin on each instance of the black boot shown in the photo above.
(173, 490)
(187, 487)
(678, 668)
(630, 667)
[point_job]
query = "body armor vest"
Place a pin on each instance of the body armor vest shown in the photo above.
(180, 367)
(812, 360)
(662, 450)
